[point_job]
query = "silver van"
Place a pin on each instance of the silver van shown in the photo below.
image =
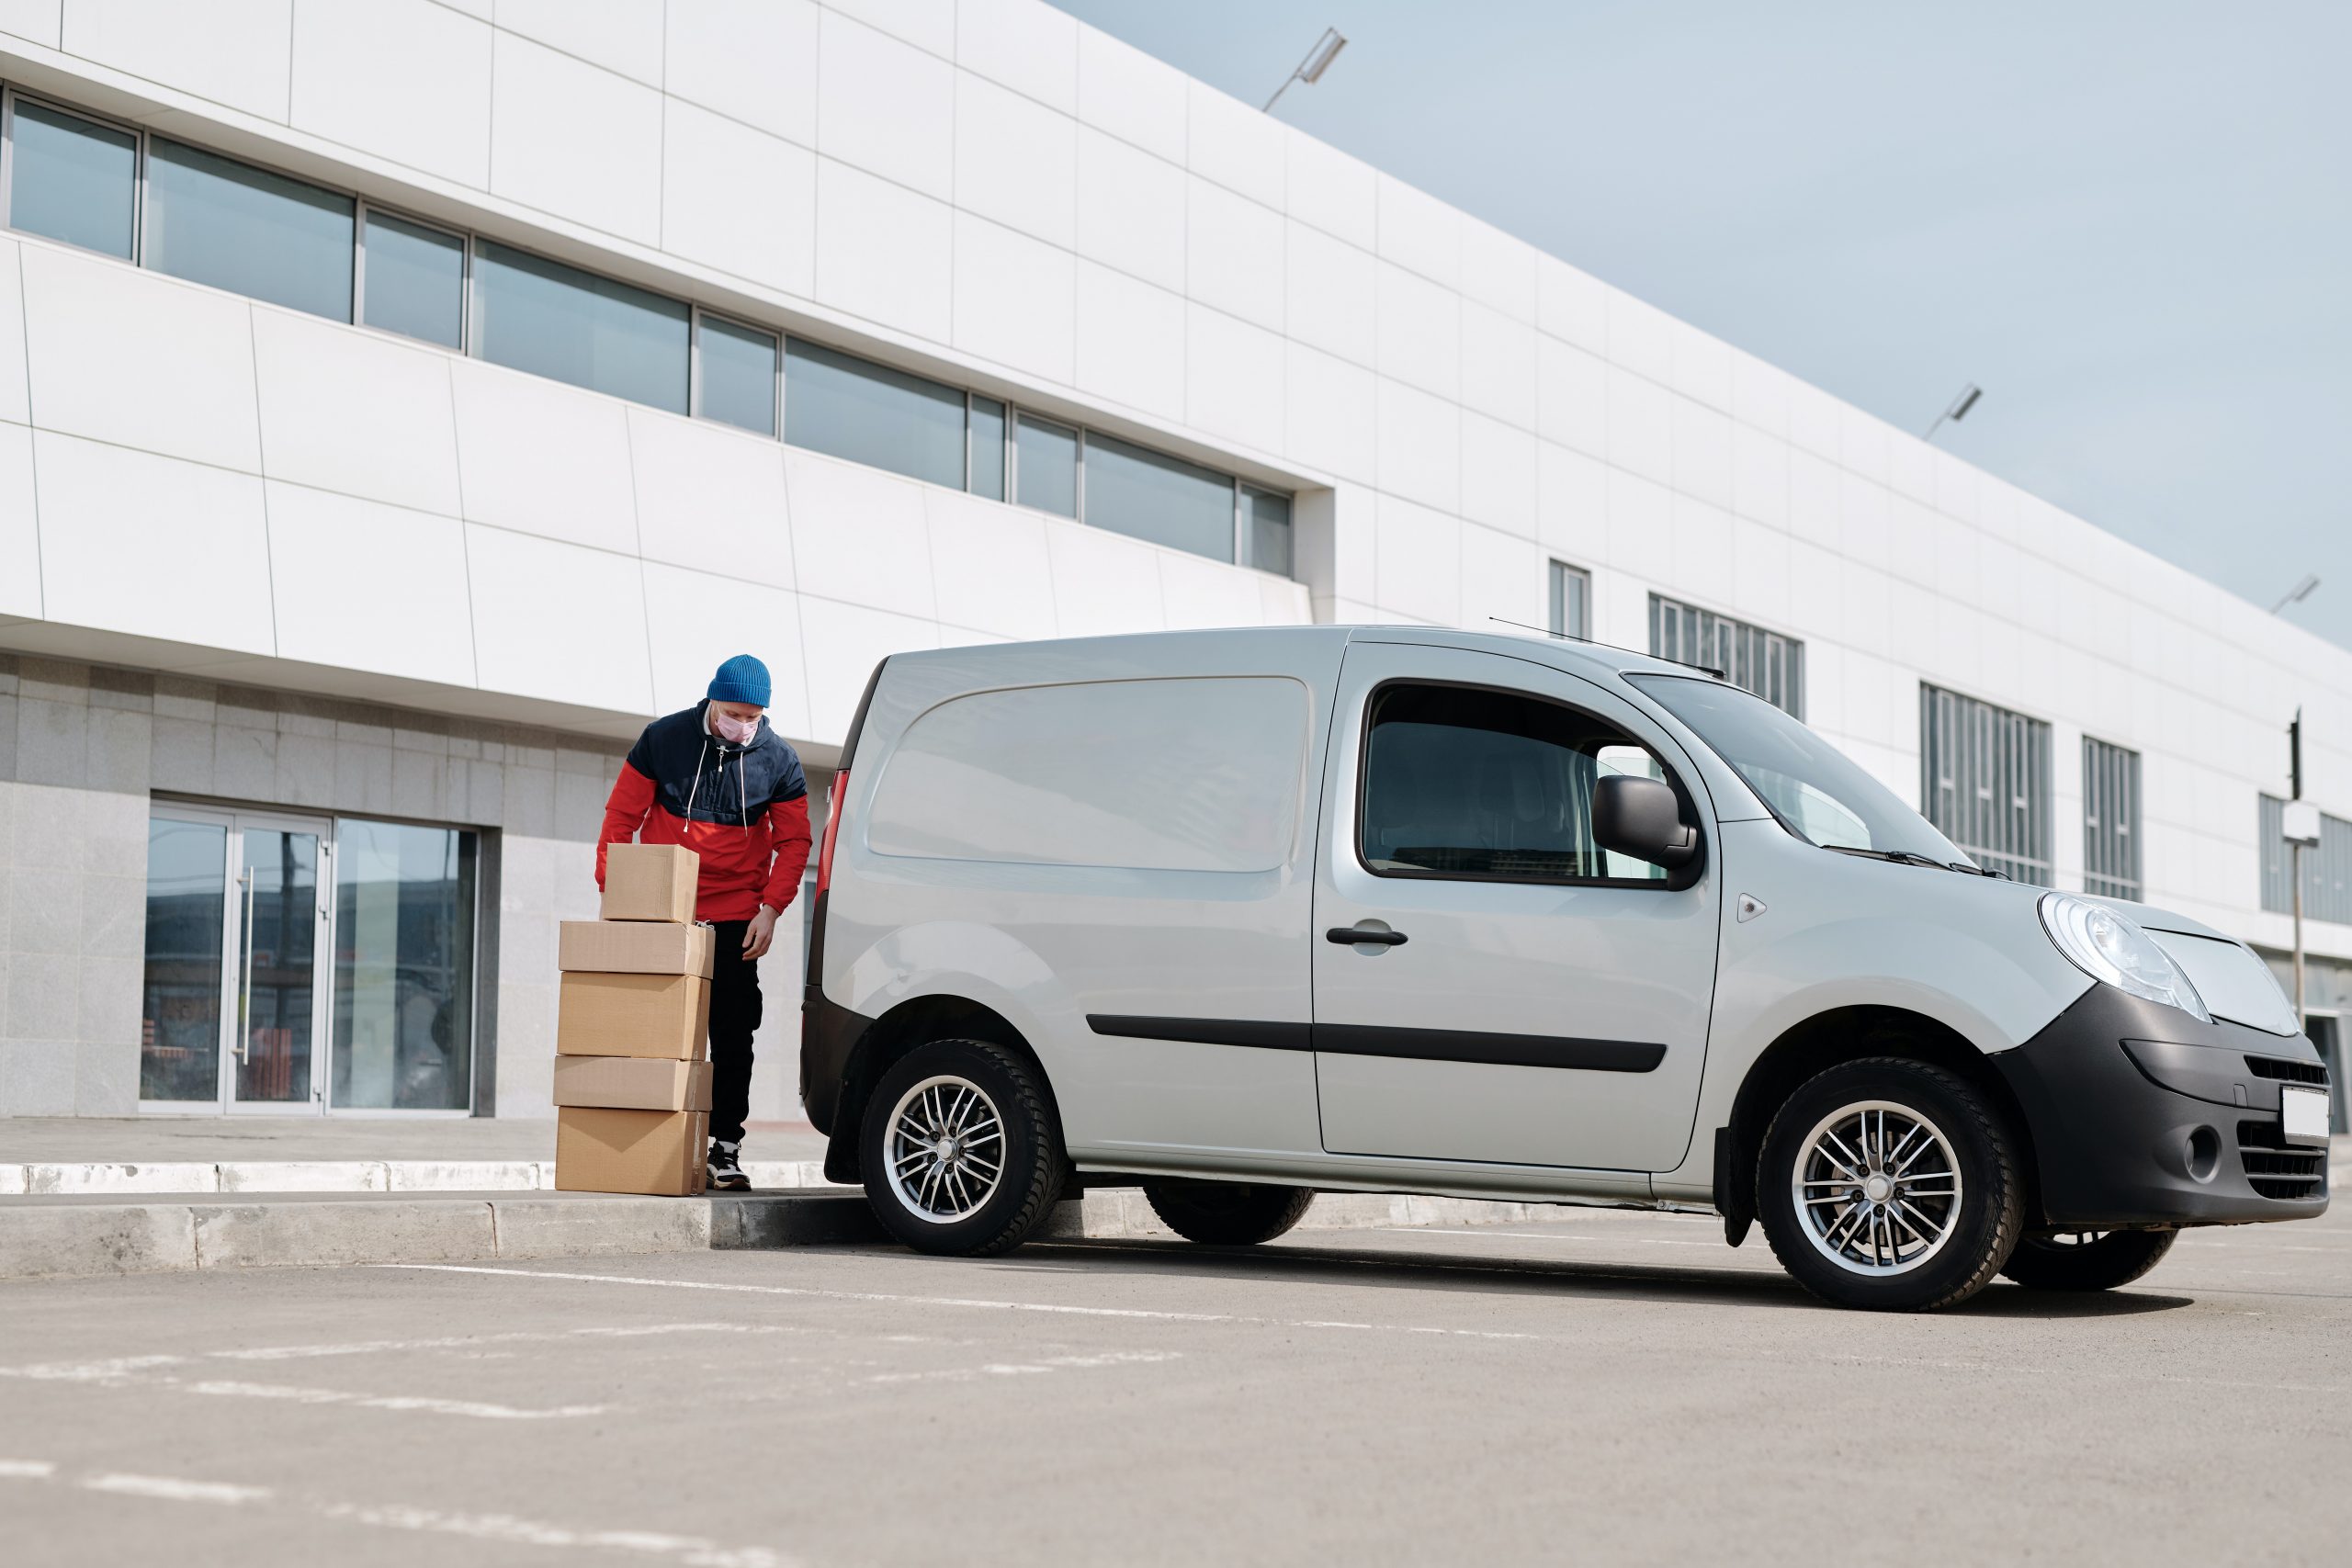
(1240, 916)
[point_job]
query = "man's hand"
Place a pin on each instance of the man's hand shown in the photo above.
(760, 935)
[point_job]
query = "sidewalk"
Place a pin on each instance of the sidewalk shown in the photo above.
(66, 1154)
(88, 1197)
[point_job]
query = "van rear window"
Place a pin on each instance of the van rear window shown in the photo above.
(1189, 775)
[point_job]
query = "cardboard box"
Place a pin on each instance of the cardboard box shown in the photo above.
(633, 947)
(632, 1083)
(633, 1015)
(651, 882)
(659, 1152)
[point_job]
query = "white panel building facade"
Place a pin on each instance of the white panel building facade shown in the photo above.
(401, 401)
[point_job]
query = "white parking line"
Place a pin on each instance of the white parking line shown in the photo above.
(174, 1489)
(468, 1341)
(1024, 1368)
(970, 1302)
(141, 1372)
(693, 1551)
(429, 1405)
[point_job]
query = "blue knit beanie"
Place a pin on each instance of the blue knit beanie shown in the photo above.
(741, 679)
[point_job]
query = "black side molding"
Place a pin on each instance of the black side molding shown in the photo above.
(1204, 1031)
(1371, 1040)
(1499, 1050)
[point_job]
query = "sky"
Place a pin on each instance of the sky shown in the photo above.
(2128, 221)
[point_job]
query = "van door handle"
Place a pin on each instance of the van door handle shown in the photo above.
(1347, 936)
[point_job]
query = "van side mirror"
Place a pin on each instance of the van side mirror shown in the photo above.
(1641, 817)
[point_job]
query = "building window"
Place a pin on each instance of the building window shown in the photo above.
(870, 414)
(1044, 466)
(556, 320)
(413, 280)
(2327, 866)
(1148, 495)
(261, 993)
(235, 226)
(1984, 781)
(2111, 820)
(1266, 524)
(210, 220)
(985, 474)
(1750, 657)
(735, 369)
(71, 179)
(1571, 601)
(403, 1005)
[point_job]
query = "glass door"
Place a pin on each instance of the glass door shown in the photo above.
(237, 937)
(280, 926)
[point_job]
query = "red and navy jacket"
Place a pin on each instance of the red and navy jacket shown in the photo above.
(744, 808)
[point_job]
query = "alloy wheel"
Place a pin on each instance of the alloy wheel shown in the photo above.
(1877, 1188)
(945, 1148)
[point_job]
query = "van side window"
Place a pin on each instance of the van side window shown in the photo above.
(1467, 782)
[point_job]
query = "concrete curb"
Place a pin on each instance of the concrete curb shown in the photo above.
(66, 1236)
(51, 1178)
(70, 1237)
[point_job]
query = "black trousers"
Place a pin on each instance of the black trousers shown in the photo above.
(734, 1018)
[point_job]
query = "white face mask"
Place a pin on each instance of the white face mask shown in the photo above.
(734, 731)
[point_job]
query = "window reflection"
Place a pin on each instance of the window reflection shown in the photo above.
(1044, 466)
(179, 1027)
(74, 180)
(1270, 533)
(738, 375)
(988, 448)
(556, 321)
(403, 966)
(870, 414)
(1148, 495)
(235, 227)
(416, 281)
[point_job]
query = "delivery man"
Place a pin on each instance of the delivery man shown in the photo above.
(717, 780)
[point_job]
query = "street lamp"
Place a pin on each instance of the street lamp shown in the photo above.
(1958, 411)
(2297, 593)
(2299, 824)
(1310, 70)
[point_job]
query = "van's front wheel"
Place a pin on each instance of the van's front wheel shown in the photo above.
(2087, 1260)
(960, 1153)
(1227, 1214)
(1888, 1184)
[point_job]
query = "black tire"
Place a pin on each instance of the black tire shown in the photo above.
(1227, 1214)
(2067, 1262)
(1978, 1228)
(1028, 1178)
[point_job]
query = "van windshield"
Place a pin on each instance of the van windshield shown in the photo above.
(1818, 792)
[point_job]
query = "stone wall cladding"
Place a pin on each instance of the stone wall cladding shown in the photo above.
(85, 750)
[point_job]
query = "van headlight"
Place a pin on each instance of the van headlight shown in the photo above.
(2111, 947)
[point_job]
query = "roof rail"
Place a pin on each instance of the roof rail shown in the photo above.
(1619, 647)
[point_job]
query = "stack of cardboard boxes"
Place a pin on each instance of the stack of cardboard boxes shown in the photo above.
(632, 1068)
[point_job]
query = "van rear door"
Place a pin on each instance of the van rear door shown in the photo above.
(1489, 985)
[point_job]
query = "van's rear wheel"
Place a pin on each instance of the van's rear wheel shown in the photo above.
(960, 1154)
(2087, 1260)
(1227, 1214)
(1888, 1184)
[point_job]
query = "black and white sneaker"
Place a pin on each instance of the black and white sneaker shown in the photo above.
(726, 1173)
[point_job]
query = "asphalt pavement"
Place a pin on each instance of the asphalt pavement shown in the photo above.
(1609, 1388)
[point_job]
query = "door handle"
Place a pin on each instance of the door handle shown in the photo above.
(245, 996)
(1347, 936)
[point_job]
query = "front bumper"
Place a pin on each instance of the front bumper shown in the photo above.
(2141, 1116)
